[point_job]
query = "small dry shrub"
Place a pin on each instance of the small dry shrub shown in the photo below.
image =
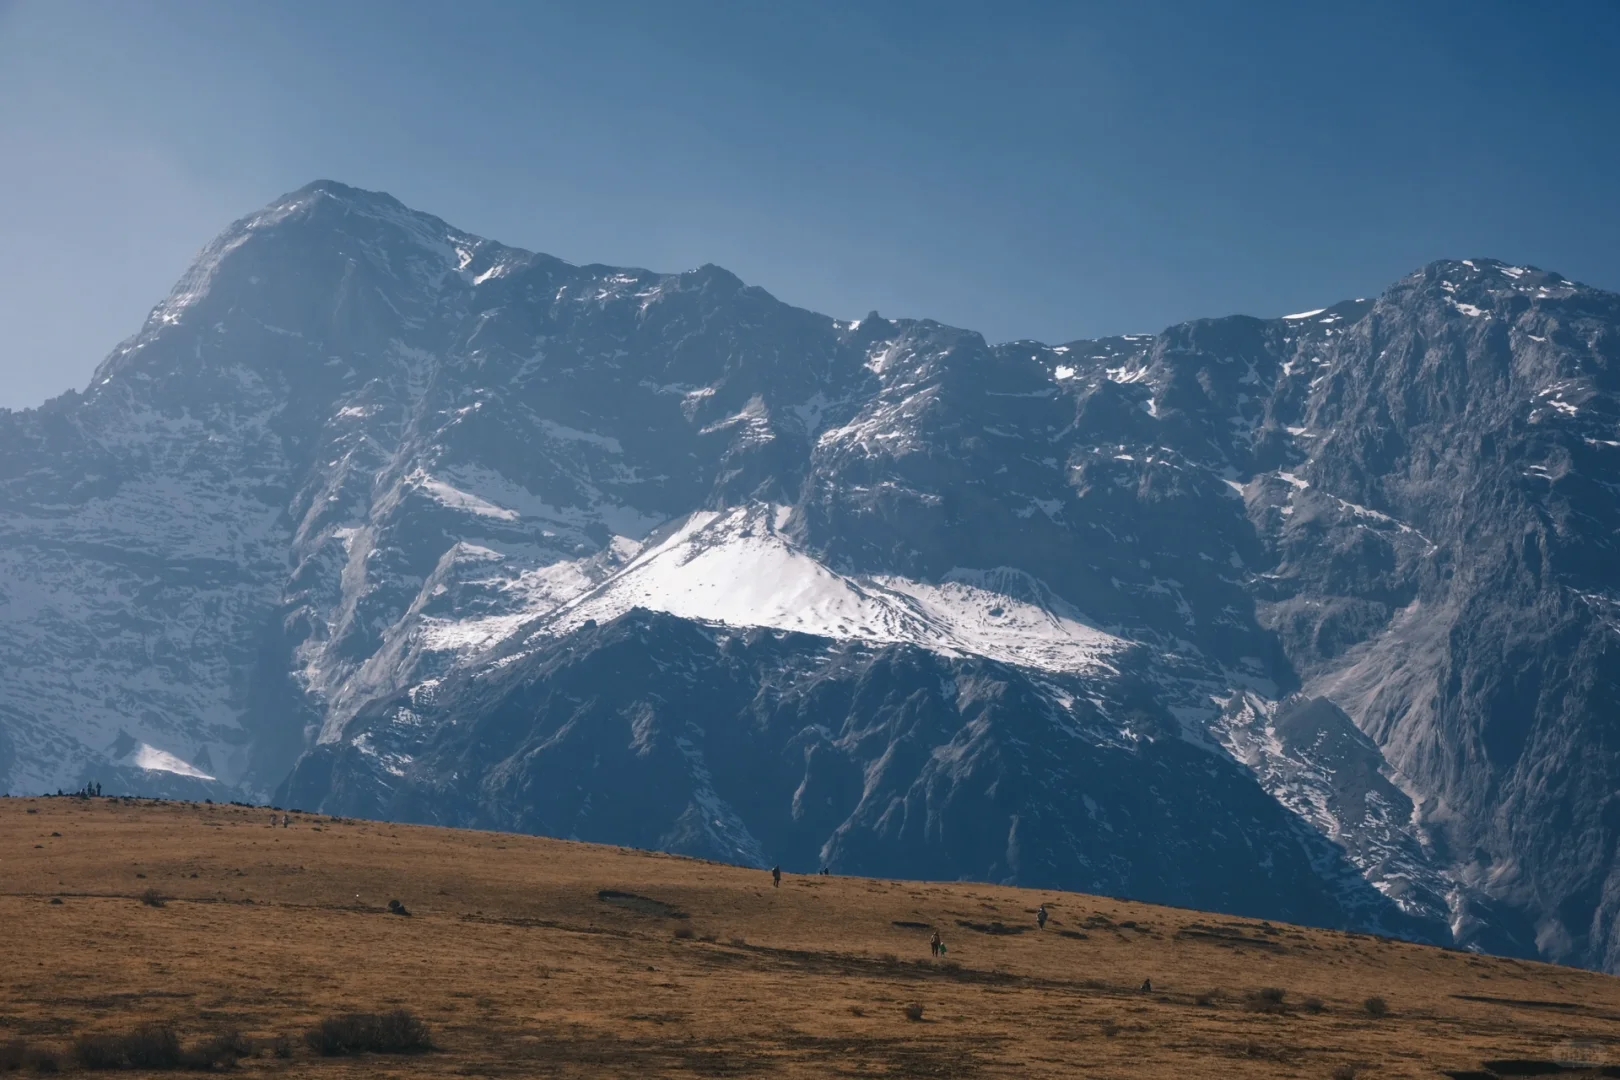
(282, 1047)
(397, 1032)
(684, 933)
(1268, 999)
(1208, 998)
(1110, 1029)
(217, 1052)
(1376, 1007)
(18, 1056)
(153, 898)
(150, 1046)
(739, 942)
(914, 1012)
(1344, 1072)
(1313, 1005)
(856, 1010)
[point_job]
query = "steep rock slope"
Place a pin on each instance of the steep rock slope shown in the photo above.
(1312, 617)
(760, 746)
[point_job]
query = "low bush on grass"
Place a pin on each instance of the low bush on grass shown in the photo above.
(151, 1046)
(153, 898)
(18, 1056)
(12, 1054)
(397, 1032)
(914, 1012)
(1376, 1007)
(1268, 999)
(221, 1051)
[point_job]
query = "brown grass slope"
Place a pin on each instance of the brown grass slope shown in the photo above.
(532, 957)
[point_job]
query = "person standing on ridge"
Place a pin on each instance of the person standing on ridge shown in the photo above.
(776, 877)
(1040, 916)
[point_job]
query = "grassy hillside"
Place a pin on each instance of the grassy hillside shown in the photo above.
(531, 957)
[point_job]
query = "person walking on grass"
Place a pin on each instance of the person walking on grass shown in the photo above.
(1040, 916)
(936, 944)
(776, 877)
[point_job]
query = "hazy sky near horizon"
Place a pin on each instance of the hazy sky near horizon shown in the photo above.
(1041, 169)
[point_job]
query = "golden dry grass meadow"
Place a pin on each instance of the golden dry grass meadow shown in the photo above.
(534, 957)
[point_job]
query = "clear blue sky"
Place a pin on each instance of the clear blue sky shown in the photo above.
(1050, 170)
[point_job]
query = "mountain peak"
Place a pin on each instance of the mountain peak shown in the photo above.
(309, 200)
(1493, 275)
(338, 189)
(355, 199)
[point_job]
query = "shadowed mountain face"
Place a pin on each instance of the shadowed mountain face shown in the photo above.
(1314, 618)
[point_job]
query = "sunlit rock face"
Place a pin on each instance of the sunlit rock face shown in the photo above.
(1312, 618)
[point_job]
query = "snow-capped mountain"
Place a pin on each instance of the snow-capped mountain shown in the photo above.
(1314, 618)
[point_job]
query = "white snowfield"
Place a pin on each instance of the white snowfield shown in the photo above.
(155, 760)
(736, 568)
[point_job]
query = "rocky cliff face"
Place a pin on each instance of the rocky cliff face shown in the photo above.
(1313, 617)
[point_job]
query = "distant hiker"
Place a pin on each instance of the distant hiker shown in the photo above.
(1147, 986)
(826, 871)
(1040, 916)
(776, 877)
(936, 944)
